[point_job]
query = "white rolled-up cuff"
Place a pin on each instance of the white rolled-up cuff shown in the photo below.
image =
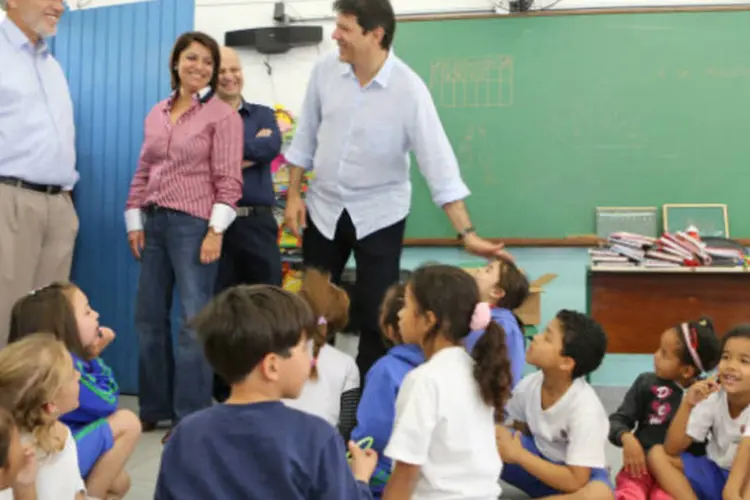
(134, 219)
(222, 217)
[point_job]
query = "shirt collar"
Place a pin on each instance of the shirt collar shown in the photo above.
(200, 97)
(244, 105)
(19, 40)
(382, 77)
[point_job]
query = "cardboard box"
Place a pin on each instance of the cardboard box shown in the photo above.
(530, 311)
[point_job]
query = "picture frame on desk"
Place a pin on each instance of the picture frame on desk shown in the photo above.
(711, 219)
(638, 220)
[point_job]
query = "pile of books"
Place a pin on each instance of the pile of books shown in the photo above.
(680, 249)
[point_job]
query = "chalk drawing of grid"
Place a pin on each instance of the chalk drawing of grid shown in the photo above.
(473, 83)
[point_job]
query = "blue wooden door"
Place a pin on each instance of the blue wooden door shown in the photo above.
(116, 60)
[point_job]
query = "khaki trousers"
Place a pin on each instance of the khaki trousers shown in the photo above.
(37, 237)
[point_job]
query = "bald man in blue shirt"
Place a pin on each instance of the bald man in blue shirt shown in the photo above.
(38, 223)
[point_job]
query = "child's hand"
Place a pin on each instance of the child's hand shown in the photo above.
(508, 444)
(522, 427)
(699, 391)
(633, 456)
(363, 462)
(105, 337)
(27, 473)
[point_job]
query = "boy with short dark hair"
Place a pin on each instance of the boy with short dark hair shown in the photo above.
(563, 449)
(253, 446)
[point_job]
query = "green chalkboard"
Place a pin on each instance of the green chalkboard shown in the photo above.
(552, 116)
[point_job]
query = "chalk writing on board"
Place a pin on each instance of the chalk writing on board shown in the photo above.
(473, 154)
(473, 83)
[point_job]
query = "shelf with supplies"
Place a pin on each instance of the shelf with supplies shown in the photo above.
(290, 245)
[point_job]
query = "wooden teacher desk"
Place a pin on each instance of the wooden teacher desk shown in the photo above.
(636, 305)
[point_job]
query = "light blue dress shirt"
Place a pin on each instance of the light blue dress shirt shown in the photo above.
(37, 132)
(357, 140)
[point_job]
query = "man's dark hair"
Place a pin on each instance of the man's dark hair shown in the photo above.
(584, 340)
(371, 14)
(244, 324)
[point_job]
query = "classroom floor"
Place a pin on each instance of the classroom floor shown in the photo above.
(144, 465)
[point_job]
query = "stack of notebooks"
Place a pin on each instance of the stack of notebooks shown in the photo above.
(680, 249)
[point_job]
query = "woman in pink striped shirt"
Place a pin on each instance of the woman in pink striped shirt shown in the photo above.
(182, 199)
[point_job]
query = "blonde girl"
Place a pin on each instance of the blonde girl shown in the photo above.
(38, 383)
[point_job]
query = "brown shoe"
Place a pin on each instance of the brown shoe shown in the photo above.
(147, 426)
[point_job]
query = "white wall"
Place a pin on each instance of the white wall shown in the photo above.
(290, 71)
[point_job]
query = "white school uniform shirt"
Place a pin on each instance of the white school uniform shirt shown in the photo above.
(337, 374)
(711, 417)
(573, 431)
(58, 476)
(443, 425)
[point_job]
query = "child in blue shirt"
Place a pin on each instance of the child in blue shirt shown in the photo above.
(377, 407)
(253, 446)
(105, 436)
(505, 287)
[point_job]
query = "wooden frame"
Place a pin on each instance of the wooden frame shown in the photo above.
(652, 211)
(572, 241)
(573, 12)
(722, 206)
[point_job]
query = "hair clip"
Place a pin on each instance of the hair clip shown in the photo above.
(690, 337)
(322, 321)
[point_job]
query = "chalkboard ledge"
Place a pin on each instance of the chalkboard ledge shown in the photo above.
(573, 241)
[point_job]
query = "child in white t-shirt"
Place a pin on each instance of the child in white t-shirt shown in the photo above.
(332, 391)
(442, 443)
(715, 409)
(559, 444)
(39, 382)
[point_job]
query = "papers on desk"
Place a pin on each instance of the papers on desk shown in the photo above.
(678, 249)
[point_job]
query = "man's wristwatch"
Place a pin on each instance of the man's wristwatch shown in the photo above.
(465, 232)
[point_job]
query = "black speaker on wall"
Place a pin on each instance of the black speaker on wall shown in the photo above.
(276, 39)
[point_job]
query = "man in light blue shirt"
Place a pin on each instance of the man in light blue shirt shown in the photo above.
(364, 111)
(38, 223)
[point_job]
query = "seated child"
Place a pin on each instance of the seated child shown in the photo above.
(442, 441)
(104, 435)
(17, 462)
(505, 287)
(562, 451)
(715, 409)
(253, 446)
(685, 353)
(39, 383)
(377, 408)
(332, 391)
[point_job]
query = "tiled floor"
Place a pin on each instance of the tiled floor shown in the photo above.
(144, 465)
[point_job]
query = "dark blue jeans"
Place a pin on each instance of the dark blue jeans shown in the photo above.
(172, 383)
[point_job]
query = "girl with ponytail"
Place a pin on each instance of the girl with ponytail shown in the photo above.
(332, 391)
(443, 441)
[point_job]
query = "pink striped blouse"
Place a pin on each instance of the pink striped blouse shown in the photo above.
(193, 164)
